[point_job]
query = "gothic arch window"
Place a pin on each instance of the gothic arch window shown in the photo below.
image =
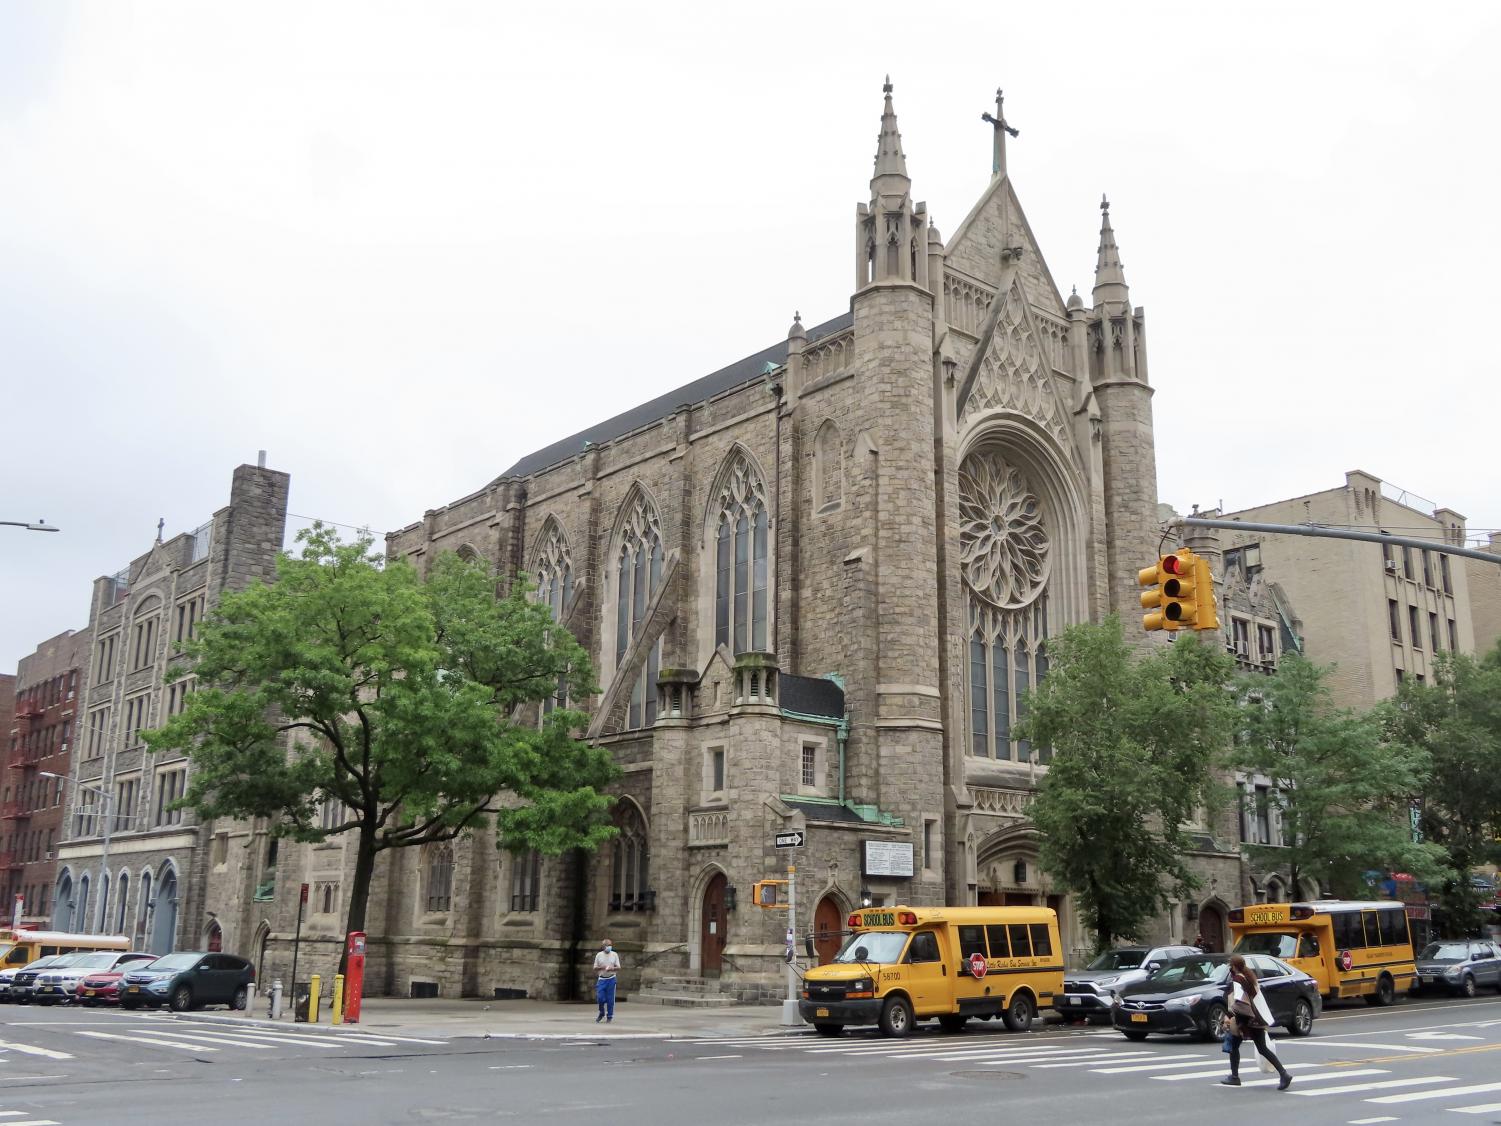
(629, 860)
(553, 573)
(828, 468)
(1004, 556)
(121, 896)
(437, 878)
(143, 910)
(638, 573)
(740, 558)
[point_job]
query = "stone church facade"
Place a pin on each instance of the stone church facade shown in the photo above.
(816, 586)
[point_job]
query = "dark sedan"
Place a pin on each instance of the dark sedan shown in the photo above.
(1187, 995)
(1460, 967)
(189, 980)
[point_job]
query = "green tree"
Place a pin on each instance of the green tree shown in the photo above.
(351, 678)
(1133, 743)
(1341, 789)
(1456, 720)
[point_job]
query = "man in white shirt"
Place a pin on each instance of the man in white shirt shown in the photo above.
(606, 966)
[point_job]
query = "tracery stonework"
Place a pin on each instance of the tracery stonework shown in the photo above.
(1003, 546)
(1013, 374)
(1004, 555)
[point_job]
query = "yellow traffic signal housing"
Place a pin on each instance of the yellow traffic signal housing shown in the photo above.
(1205, 616)
(1183, 593)
(1166, 580)
(764, 894)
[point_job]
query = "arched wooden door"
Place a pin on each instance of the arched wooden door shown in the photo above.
(1212, 929)
(713, 927)
(828, 923)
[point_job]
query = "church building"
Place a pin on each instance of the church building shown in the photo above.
(816, 585)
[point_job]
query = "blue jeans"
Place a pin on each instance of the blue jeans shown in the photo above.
(604, 993)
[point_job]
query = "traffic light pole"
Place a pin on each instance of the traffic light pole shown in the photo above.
(1321, 532)
(790, 1014)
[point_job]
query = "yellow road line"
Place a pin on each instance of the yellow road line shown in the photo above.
(1419, 1055)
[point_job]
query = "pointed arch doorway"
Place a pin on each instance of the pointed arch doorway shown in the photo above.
(828, 927)
(1211, 928)
(713, 925)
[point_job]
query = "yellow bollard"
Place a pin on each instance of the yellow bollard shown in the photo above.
(338, 1017)
(312, 999)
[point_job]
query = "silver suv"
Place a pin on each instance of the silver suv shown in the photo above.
(1088, 992)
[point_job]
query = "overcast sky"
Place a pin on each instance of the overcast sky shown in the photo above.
(400, 245)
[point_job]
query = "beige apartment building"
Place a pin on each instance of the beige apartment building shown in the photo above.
(1378, 614)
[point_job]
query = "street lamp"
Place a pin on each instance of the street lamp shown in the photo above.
(109, 821)
(39, 526)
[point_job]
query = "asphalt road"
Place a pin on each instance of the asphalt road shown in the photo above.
(1417, 1062)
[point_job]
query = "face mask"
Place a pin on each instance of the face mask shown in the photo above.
(607, 948)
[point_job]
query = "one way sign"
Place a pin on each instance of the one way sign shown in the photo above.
(789, 840)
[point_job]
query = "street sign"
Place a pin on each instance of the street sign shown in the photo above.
(977, 964)
(789, 840)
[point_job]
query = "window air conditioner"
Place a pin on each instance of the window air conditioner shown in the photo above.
(1391, 566)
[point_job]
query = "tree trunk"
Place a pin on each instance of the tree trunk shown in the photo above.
(359, 890)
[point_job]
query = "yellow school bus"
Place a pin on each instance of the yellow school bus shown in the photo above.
(1351, 948)
(20, 946)
(901, 965)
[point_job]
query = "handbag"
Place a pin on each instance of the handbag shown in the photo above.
(1227, 1044)
(1269, 1066)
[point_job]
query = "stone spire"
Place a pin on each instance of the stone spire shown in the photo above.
(1109, 276)
(890, 160)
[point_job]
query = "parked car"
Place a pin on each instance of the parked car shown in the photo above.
(189, 980)
(1089, 991)
(1187, 995)
(59, 984)
(102, 987)
(24, 983)
(1461, 966)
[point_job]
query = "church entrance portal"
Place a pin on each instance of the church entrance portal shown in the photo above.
(714, 924)
(828, 922)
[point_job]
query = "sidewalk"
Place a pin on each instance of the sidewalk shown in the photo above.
(450, 1018)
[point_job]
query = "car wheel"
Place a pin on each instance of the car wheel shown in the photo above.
(896, 1017)
(1133, 1034)
(1019, 1012)
(954, 1022)
(829, 1029)
(1302, 1022)
(1213, 1017)
(1386, 991)
(241, 999)
(1466, 987)
(182, 999)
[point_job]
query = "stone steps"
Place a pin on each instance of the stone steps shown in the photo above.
(685, 993)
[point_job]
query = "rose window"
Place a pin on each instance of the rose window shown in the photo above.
(1003, 547)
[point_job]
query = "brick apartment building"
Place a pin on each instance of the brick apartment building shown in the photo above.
(42, 736)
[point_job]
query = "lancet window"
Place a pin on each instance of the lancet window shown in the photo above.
(638, 574)
(740, 568)
(553, 574)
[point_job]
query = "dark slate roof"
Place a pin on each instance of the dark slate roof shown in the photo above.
(699, 390)
(811, 695)
(825, 811)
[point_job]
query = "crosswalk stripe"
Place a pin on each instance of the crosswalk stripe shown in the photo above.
(1365, 1044)
(1150, 1067)
(1121, 1056)
(1414, 1096)
(1221, 1070)
(1484, 1108)
(1317, 1077)
(33, 1050)
(1039, 1052)
(33, 1122)
(1352, 1088)
(379, 1040)
(254, 1039)
(150, 1041)
(216, 1038)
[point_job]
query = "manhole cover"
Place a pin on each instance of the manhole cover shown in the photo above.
(986, 1074)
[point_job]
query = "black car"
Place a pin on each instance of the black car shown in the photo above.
(1459, 966)
(1187, 995)
(189, 980)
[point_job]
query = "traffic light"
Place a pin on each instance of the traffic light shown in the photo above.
(765, 894)
(1182, 594)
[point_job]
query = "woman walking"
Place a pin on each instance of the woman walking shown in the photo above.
(1250, 1017)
